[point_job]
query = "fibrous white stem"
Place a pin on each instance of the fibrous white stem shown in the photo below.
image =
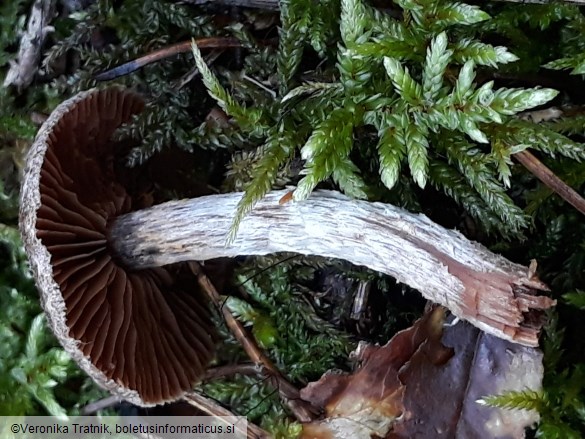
(477, 285)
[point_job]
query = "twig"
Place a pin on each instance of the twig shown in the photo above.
(271, 5)
(166, 52)
(23, 71)
(548, 177)
(212, 408)
(302, 410)
(544, 2)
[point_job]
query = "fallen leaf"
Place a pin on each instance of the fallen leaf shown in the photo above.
(367, 403)
(426, 383)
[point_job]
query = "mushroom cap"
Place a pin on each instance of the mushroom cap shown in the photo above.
(144, 335)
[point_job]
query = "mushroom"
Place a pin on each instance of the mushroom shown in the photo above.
(106, 268)
(144, 335)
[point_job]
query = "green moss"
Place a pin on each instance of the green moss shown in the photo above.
(415, 104)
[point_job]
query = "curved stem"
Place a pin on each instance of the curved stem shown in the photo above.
(477, 285)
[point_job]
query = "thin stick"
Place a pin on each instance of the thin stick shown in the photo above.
(549, 178)
(302, 410)
(270, 5)
(212, 408)
(273, 5)
(544, 2)
(166, 52)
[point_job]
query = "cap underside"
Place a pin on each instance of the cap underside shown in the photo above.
(148, 331)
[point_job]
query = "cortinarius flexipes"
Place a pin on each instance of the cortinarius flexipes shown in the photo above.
(123, 317)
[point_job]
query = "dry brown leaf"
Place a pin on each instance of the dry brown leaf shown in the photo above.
(366, 403)
(425, 383)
